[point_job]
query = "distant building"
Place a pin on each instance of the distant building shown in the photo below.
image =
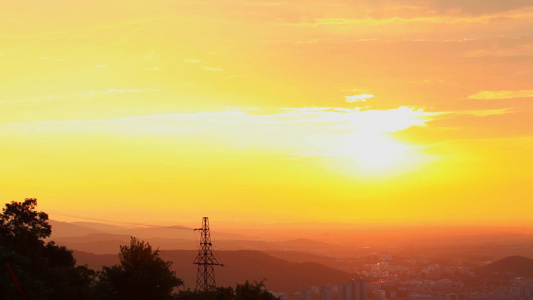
(342, 291)
(306, 293)
(353, 290)
(282, 296)
(325, 293)
(384, 256)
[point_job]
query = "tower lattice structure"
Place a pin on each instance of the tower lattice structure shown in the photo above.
(205, 277)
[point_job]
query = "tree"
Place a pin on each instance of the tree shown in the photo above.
(246, 291)
(220, 293)
(142, 274)
(253, 291)
(21, 226)
(41, 270)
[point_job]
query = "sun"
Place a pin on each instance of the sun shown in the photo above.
(377, 153)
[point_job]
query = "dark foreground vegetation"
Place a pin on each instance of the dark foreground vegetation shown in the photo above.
(31, 268)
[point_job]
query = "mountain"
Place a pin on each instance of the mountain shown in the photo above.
(103, 243)
(300, 257)
(101, 227)
(64, 229)
(76, 229)
(100, 243)
(512, 265)
(279, 275)
(109, 243)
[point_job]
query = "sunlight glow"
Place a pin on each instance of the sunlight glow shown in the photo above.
(371, 153)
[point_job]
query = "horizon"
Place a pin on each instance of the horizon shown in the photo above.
(257, 114)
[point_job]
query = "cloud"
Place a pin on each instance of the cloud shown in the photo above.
(69, 97)
(235, 76)
(150, 55)
(325, 119)
(100, 66)
(52, 58)
(322, 132)
(213, 69)
(154, 68)
(192, 61)
(115, 91)
(357, 98)
(490, 95)
(429, 18)
(488, 112)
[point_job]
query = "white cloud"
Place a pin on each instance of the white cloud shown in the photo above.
(356, 98)
(325, 132)
(333, 120)
(154, 68)
(100, 66)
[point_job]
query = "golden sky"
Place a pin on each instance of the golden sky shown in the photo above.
(366, 111)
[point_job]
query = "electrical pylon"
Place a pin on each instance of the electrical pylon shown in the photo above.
(205, 277)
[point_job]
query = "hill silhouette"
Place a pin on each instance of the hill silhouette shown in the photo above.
(109, 243)
(279, 275)
(512, 265)
(65, 229)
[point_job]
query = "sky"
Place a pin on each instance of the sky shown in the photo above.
(258, 112)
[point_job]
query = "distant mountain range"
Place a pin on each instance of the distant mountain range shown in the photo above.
(279, 275)
(512, 266)
(106, 239)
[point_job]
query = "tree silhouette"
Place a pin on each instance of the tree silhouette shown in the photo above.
(142, 274)
(246, 291)
(31, 268)
(253, 291)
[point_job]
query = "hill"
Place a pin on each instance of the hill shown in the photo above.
(65, 229)
(109, 243)
(239, 266)
(513, 266)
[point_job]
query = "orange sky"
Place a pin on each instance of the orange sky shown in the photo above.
(366, 111)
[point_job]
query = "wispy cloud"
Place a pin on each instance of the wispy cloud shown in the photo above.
(100, 66)
(115, 91)
(52, 58)
(320, 132)
(357, 98)
(488, 112)
(213, 69)
(79, 93)
(431, 19)
(327, 118)
(489, 95)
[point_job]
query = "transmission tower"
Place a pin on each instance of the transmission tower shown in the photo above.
(205, 277)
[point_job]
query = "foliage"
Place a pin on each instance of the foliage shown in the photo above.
(221, 293)
(42, 270)
(46, 271)
(142, 274)
(255, 290)
(246, 291)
